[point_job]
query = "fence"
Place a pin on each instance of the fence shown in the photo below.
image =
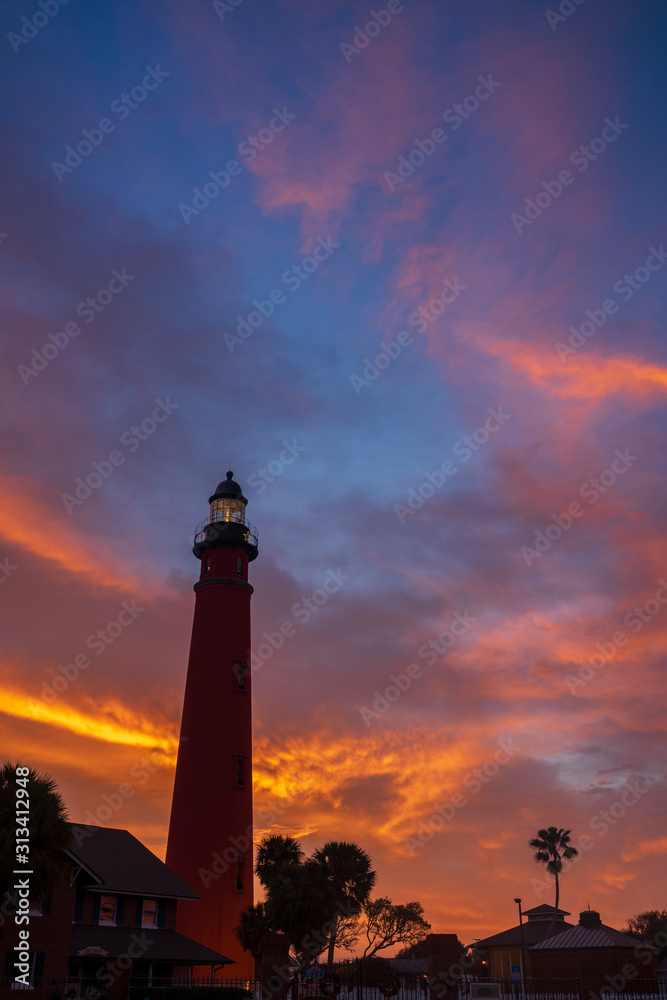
(169, 988)
(562, 989)
(360, 979)
(474, 988)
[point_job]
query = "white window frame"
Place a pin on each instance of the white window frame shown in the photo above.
(143, 923)
(108, 923)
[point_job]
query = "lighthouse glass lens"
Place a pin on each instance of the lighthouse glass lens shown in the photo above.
(227, 510)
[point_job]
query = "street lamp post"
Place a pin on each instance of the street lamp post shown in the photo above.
(523, 949)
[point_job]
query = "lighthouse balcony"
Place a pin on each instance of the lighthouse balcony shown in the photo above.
(228, 527)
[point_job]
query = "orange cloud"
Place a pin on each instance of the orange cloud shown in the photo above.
(109, 722)
(585, 376)
(32, 524)
(644, 848)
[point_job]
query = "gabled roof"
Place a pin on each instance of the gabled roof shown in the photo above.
(154, 945)
(601, 936)
(120, 863)
(533, 931)
(544, 910)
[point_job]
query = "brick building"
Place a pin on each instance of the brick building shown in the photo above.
(600, 957)
(110, 920)
(499, 952)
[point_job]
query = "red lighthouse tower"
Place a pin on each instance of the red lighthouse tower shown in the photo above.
(210, 830)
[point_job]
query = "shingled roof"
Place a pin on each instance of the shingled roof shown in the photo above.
(589, 933)
(544, 912)
(120, 863)
(155, 946)
(535, 928)
(532, 932)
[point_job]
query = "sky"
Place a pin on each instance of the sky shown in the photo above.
(403, 266)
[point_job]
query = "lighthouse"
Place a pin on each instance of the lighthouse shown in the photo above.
(210, 829)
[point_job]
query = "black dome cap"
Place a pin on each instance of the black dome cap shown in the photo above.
(229, 489)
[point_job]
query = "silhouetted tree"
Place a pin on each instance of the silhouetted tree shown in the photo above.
(50, 833)
(551, 846)
(305, 895)
(348, 872)
(385, 924)
(651, 927)
(252, 926)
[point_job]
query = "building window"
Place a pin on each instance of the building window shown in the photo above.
(239, 874)
(239, 770)
(149, 913)
(108, 910)
(207, 564)
(239, 565)
(240, 671)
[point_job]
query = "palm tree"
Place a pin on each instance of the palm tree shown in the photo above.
(551, 846)
(298, 898)
(252, 926)
(299, 904)
(274, 855)
(50, 833)
(347, 869)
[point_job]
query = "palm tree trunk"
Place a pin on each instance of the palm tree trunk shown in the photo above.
(557, 896)
(555, 913)
(332, 940)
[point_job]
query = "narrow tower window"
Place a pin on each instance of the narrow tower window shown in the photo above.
(239, 873)
(207, 566)
(239, 770)
(239, 565)
(240, 670)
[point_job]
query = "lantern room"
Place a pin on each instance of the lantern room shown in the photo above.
(228, 502)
